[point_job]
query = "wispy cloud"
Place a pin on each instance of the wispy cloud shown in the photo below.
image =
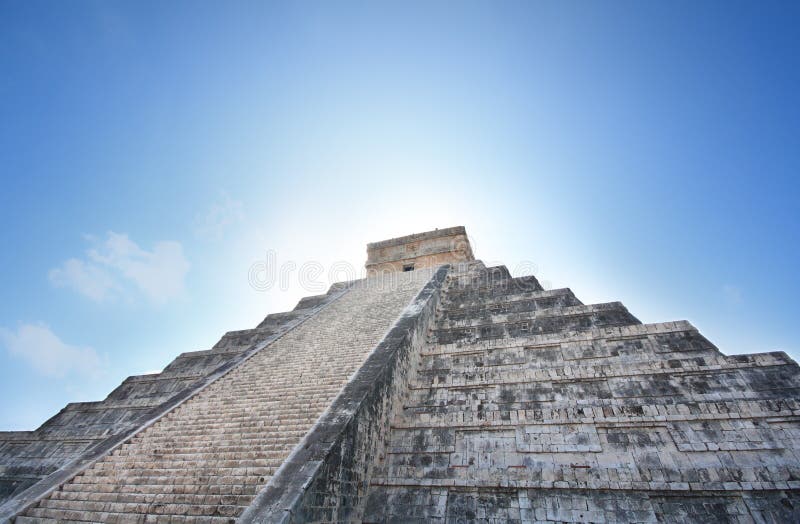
(117, 266)
(47, 354)
(733, 295)
(88, 279)
(221, 215)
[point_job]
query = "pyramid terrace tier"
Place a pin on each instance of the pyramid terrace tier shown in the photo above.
(422, 504)
(553, 320)
(506, 308)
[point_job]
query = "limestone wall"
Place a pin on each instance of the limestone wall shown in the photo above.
(419, 251)
(530, 407)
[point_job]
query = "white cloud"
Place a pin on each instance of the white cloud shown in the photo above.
(47, 354)
(733, 295)
(88, 279)
(118, 265)
(222, 214)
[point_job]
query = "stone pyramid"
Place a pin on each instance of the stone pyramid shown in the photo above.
(434, 390)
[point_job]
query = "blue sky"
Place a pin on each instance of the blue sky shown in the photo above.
(151, 153)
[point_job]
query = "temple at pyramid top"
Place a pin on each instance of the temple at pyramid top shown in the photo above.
(420, 250)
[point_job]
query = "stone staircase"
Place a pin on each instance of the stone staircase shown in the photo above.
(206, 460)
(26, 457)
(530, 406)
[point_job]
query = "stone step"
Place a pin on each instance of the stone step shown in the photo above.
(238, 397)
(288, 428)
(262, 389)
(164, 450)
(220, 488)
(178, 439)
(202, 416)
(144, 498)
(249, 415)
(145, 483)
(270, 427)
(257, 410)
(187, 462)
(156, 508)
(117, 465)
(257, 390)
(42, 520)
(184, 456)
(66, 516)
(221, 448)
(176, 471)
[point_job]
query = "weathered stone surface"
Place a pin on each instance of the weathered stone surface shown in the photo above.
(419, 251)
(211, 455)
(326, 477)
(87, 429)
(490, 399)
(528, 406)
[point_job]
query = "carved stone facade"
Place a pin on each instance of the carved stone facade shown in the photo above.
(458, 394)
(529, 406)
(419, 251)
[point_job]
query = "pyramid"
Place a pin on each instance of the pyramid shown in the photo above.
(436, 389)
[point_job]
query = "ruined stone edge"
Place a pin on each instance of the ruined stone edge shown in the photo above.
(314, 460)
(416, 237)
(25, 500)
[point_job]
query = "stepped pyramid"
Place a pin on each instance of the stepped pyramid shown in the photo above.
(435, 390)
